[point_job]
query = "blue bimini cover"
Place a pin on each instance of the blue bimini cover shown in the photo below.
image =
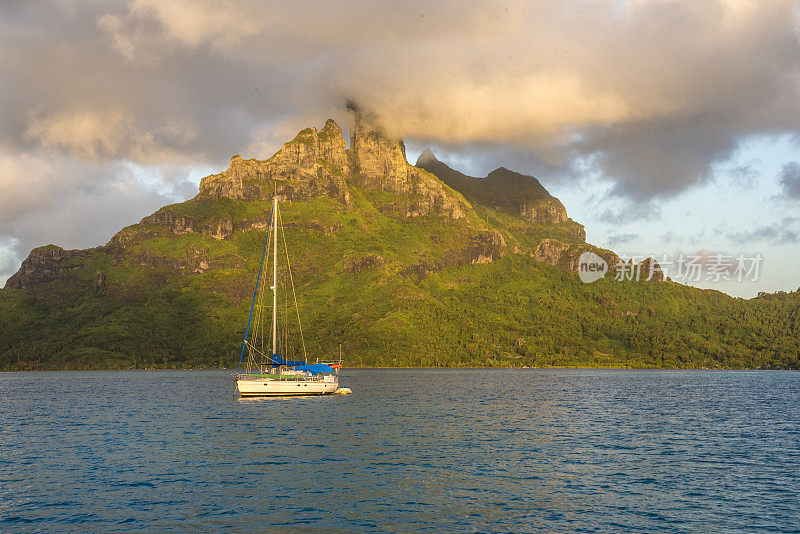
(315, 368)
(278, 360)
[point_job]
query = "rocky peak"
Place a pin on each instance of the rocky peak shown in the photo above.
(299, 156)
(45, 264)
(379, 161)
(332, 146)
(649, 270)
(317, 163)
(41, 261)
(426, 158)
(566, 255)
(312, 164)
(501, 189)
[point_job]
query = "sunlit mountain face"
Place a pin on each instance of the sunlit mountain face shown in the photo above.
(639, 129)
(401, 265)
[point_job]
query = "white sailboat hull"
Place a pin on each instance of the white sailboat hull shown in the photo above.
(281, 388)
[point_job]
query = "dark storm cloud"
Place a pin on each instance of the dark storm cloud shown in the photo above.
(790, 179)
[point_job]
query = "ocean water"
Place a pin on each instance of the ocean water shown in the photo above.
(409, 451)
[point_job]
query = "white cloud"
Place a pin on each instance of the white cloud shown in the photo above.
(89, 134)
(152, 26)
(658, 90)
(61, 199)
(93, 134)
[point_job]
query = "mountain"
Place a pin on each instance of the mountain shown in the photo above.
(400, 264)
(503, 190)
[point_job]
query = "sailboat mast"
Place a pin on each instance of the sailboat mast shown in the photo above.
(275, 276)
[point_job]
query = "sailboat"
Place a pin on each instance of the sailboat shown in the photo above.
(278, 370)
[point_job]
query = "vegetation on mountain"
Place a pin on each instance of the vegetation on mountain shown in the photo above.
(400, 265)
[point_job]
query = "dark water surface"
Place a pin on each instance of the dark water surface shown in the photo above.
(410, 450)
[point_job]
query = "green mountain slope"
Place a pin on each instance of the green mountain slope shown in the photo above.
(398, 264)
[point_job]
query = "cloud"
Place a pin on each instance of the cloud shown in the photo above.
(625, 211)
(93, 134)
(63, 200)
(657, 90)
(616, 239)
(692, 238)
(28, 183)
(88, 134)
(9, 260)
(790, 179)
(785, 232)
(743, 175)
(152, 26)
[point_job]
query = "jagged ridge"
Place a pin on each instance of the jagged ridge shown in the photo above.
(318, 164)
(502, 189)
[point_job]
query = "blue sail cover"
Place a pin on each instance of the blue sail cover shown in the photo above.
(315, 368)
(278, 360)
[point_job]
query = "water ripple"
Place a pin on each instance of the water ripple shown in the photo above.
(409, 451)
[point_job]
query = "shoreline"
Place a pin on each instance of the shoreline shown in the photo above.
(576, 368)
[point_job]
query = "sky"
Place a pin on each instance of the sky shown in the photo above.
(668, 127)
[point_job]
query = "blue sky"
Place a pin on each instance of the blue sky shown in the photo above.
(734, 212)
